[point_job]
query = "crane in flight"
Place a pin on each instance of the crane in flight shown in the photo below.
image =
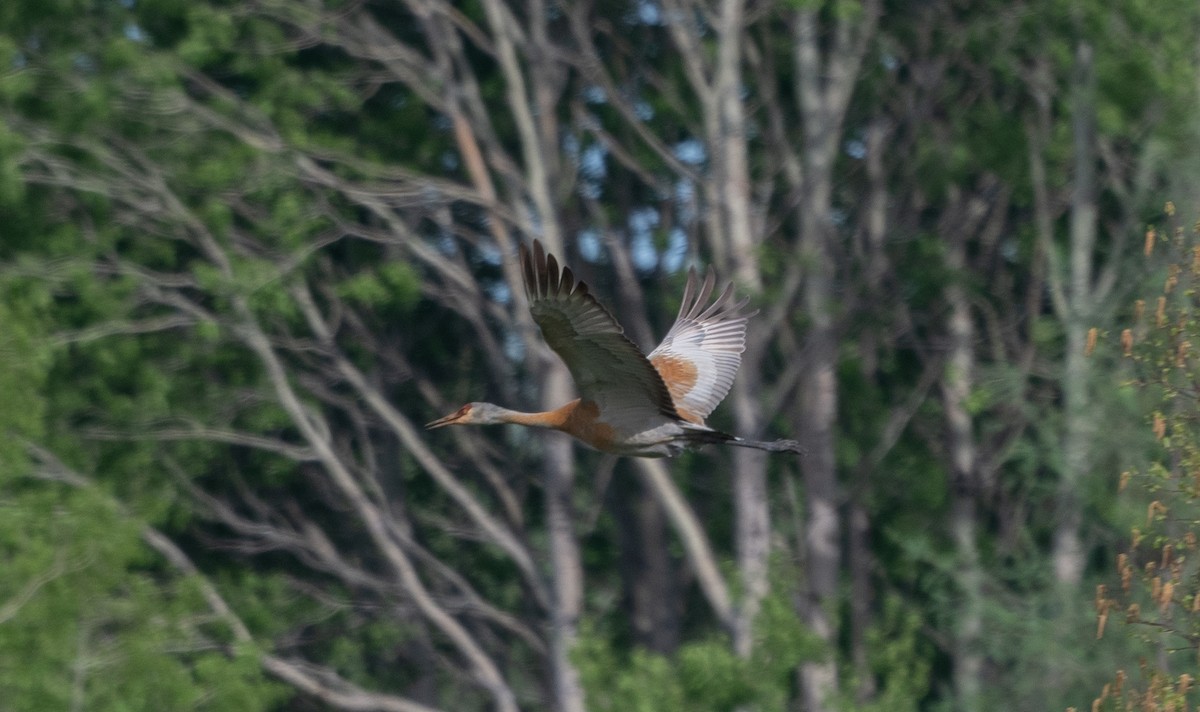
(630, 403)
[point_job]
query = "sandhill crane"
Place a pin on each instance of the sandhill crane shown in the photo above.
(630, 403)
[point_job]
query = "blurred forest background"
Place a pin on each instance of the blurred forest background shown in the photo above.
(247, 247)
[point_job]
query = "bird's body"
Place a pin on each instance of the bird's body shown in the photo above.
(630, 403)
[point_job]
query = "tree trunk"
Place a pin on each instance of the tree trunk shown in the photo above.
(566, 570)
(647, 571)
(818, 413)
(1069, 554)
(861, 596)
(825, 78)
(817, 417)
(752, 532)
(752, 514)
(956, 386)
(696, 546)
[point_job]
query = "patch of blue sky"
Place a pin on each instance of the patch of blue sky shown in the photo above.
(594, 94)
(676, 252)
(642, 252)
(498, 291)
(690, 152)
(514, 347)
(490, 254)
(685, 199)
(592, 162)
(590, 248)
(570, 146)
(643, 220)
(649, 13)
(446, 244)
(641, 227)
(534, 218)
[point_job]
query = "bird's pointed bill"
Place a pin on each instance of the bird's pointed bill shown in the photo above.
(440, 422)
(458, 416)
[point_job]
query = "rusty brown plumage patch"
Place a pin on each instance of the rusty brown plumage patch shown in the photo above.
(581, 418)
(679, 375)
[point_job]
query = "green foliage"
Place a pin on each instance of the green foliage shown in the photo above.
(897, 660)
(87, 619)
(23, 366)
(1157, 591)
(392, 284)
(704, 675)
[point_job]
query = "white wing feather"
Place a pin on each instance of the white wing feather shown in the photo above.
(700, 355)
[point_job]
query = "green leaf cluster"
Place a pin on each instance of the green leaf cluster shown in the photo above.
(702, 676)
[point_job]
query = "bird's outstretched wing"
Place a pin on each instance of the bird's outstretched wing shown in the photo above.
(701, 353)
(607, 367)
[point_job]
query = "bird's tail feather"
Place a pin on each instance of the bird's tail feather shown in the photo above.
(706, 436)
(791, 446)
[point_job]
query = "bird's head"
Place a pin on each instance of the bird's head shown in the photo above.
(471, 414)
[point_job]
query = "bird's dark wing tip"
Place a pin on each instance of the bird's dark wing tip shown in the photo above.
(567, 282)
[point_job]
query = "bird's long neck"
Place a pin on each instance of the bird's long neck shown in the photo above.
(555, 419)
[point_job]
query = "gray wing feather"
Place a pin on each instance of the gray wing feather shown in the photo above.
(608, 368)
